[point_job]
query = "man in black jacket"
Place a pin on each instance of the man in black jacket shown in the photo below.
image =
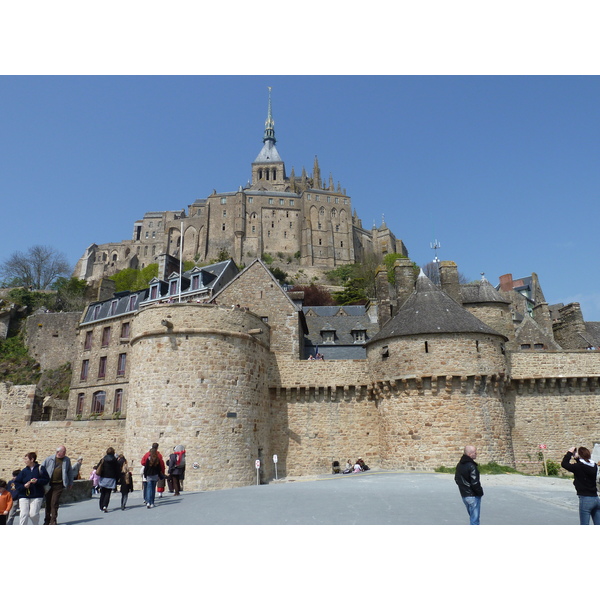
(469, 486)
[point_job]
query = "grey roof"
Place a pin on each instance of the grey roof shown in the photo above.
(268, 154)
(341, 319)
(481, 291)
(592, 329)
(429, 310)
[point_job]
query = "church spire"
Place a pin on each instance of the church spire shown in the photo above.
(269, 124)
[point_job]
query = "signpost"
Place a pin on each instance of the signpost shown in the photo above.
(275, 461)
(257, 465)
(542, 448)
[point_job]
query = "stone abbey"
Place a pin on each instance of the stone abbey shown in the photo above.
(215, 357)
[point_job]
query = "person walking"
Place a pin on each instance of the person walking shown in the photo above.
(77, 468)
(469, 486)
(126, 482)
(177, 468)
(585, 475)
(6, 502)
(58, 467)
(154, 468)
(30, 484)
(109, 473)
(12, 488)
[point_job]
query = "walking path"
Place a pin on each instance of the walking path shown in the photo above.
(372, 498)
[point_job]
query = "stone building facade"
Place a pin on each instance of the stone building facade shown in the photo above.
(227, 378)
(294, 216)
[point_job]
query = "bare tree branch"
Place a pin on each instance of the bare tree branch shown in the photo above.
(37, 268)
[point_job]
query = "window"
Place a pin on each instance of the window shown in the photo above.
(113, 307)
(88, 340)
(307, 197)
(102, 368)
(125, 327)
(359, 336)
(96, 311)
(250, 200)
(328, 337)
(196, 281)
(281, 201)
(121, 364)
(253, 228)
(225, 213)
(426, 347)
(291, 203)
(328, 198)
(538, 346)
(118, 403)
(85, 367)
(525, 346)
(223, 227)
(317, 197)
(173, 287)
(147, 234)
(105, 337)
(271, 201)
(223, 200)
(79, 406)
(154, 292)
(98, 401)
(132, 301)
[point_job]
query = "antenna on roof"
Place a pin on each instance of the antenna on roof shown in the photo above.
(434, 246)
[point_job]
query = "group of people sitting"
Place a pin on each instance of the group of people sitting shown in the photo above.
(351, 467)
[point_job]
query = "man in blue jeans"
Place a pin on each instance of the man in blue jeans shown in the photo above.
(469, 486)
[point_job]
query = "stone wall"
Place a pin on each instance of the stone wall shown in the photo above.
(574, 363)
(18, 435)
(51, 338)
(200, 380)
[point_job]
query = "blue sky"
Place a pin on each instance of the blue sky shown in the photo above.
(501, 170)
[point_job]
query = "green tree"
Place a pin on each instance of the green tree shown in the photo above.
(70, 294)
(132, 280)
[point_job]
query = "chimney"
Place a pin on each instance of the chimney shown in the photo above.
(384, 303)
(405, 280)
(449, 280)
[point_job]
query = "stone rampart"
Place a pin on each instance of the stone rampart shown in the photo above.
(200, 380)
(52, 338)
(573, 363)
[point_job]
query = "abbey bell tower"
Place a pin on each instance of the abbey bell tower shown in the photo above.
(268, 170)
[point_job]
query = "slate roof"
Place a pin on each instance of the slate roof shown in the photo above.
(343, 319)
(592, 330)
(429, 310)
(268, 154)
(481, 291)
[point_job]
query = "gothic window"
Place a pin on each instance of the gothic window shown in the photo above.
(321, 212)
(98, 401)
(114, 256)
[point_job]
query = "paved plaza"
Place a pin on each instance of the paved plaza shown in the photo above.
(373, 498)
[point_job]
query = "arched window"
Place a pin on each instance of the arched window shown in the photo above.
(98, 401)
(118, 403)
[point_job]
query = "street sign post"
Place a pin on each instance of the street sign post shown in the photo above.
(275, 461)
(257, 465)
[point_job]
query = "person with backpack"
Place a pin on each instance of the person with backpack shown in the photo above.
(177, 468)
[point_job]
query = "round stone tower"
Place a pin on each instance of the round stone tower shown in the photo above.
(199, 379)
(438, 377)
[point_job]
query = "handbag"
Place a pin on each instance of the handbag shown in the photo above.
(99, 468)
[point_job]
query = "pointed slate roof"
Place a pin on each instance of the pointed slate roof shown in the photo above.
(428, 310)
(481, 291)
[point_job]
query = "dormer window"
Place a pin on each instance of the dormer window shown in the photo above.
(173, 287)
(132, 300)
(113, 307)
(195, 282)
(154, 292)
(359, 336)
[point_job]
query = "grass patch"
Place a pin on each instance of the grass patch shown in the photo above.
(491, 468)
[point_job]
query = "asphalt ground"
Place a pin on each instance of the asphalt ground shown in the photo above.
(371, 498)
(364, 543)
